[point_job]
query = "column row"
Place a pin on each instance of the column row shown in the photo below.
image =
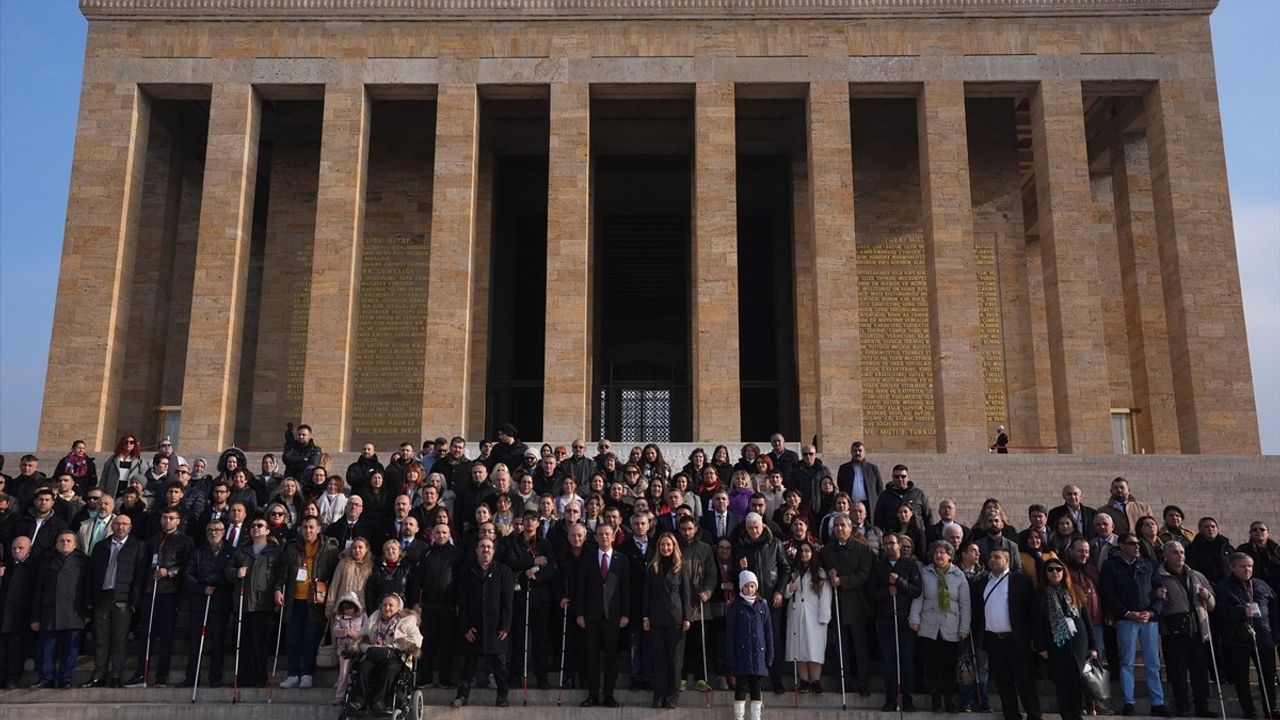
(1192, 220)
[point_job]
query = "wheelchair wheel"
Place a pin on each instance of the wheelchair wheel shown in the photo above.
(415, 706)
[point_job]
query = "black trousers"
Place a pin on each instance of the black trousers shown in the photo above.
(1011, 666)
(1239, 657)
(1187, 655)
(539, 617)
(496, 662)
(940, 658)
(257, 645)
(214, 639)
(599, 637)
(778, 619)
(162, 634)
(111, 621)
(15, 648)
(376, 675)
(439, 629)
(668, 660)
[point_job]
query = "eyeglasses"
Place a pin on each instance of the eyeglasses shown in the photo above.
(94, 498)
(184, 472)
(899, 477)
(131, 441)
(260, 525)
(1130, 543)
(1055, 569)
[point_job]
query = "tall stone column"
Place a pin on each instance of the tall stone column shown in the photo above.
(91, 316)
(453, 227)
(1077, 351)
(1150, 369)
(335, 265)
(1212, 381)
(717, 390)
(835, 267)
(959, 396)
(567, 367)
(212, 379)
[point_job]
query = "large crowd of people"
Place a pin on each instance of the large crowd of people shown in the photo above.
(551, 565)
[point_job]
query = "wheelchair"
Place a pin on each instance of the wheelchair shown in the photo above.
(406, 701)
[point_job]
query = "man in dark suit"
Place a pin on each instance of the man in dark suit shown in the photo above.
(485, 591)
(780, 456)
(718, 521)
(946, 516)
(602, 605)
(1004, 614)
(117, 572)
(1081, 513)
(639, 548)
(860, 478)
(350, 526)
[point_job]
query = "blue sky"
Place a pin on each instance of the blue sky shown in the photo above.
(41, 58)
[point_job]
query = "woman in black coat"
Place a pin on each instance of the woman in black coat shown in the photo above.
(1064, 635)
(668, 608)
(389, 576)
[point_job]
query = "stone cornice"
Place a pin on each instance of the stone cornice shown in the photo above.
(426, 10)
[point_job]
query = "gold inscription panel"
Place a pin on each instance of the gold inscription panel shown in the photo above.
(990, 328)
(897, 367)
(390, 337)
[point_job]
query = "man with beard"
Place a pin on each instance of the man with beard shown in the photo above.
(531, 558)
(860, 477)
(365, 465)
(848, 564)
(41, 524)
(168, 551)
(485, 593)
(699, 562)
(300, 451)
(456, 466)
(471, 494)
(1123, 508)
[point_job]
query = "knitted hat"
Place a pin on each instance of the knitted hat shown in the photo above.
(746, 576)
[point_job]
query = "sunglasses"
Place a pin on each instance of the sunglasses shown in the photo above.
(899, 477)
(260, 525)
(1055, 569)
(276, 514)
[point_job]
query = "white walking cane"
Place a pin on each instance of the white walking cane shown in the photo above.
(1213, 658)
(204, 628)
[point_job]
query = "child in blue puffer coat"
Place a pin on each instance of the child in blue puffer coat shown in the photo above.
(748, 639)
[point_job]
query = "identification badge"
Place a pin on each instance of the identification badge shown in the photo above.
(302, 574)
(155, 560)
(1071, 624)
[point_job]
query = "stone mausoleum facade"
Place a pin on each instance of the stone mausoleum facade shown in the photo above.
(901, 221)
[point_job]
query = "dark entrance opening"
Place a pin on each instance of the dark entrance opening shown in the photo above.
(514, 136)
(641, 207)
(766, 298)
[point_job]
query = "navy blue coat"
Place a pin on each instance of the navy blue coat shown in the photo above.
(748, 637)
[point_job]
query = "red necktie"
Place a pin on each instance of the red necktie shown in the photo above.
(604, 566)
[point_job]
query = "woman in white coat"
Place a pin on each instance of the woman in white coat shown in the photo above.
(808, 612)
(940, 617)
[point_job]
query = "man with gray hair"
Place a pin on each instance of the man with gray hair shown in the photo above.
(1185, 629)
(848, 564)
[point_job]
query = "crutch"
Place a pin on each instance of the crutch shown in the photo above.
(1262, 679)
(204, 628)
(897, 657)
(235, 673)
(151, 619)
(525, 680)
(1213, 658)
(564, 634)
(844, 705)
(275, 661)
(702, 628)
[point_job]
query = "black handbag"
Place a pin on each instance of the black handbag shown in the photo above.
(1095, 682)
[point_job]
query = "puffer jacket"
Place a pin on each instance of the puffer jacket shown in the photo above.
(748, 637)
(927, 613)
(349, 577)
(347, 629)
